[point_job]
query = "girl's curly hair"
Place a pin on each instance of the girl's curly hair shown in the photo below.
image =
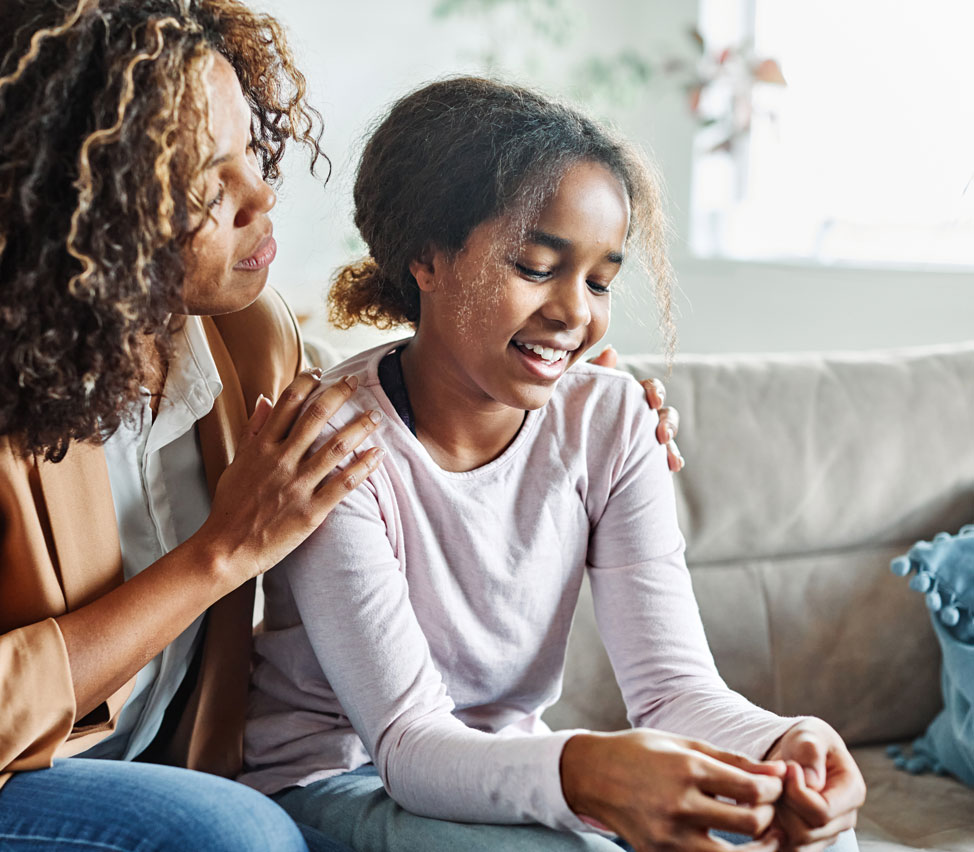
(103, 139)
(459, 152)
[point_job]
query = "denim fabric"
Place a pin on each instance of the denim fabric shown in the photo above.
(354, 808)
(85, 804)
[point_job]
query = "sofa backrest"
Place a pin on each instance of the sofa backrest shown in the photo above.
(805, 475)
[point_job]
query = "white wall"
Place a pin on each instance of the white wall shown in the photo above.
(360, 56)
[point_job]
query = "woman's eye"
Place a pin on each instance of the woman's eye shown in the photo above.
(210, 205)
(598, 289)
(216, 200)
(528, 272)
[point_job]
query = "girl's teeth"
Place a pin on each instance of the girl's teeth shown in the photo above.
(544, 352)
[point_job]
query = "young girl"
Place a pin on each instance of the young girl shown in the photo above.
(415, 639)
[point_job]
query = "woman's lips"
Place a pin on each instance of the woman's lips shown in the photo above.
(260, 259)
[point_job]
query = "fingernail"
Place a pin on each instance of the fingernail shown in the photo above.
(351, 381)
(379, 454)
(316, 372)
(375, 416)
(670, 435)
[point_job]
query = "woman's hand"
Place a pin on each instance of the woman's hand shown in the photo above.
(669, 417)
(273, 495)
(823, 787)
(659, 791)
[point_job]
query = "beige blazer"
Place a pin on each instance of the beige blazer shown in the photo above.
(59, 549)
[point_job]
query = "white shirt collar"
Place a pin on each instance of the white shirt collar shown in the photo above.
(192, 385)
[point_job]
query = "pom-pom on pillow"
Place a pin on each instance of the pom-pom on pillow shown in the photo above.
(943, 571)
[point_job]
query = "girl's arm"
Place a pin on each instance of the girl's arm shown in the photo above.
(649, 621)
(265, 503)
(355, 608)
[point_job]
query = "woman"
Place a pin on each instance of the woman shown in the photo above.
(412, 643)
(136, 140)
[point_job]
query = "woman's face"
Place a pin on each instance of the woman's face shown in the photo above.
(227, 260)
(533, 312)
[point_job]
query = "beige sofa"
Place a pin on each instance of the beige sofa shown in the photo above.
(806, 474)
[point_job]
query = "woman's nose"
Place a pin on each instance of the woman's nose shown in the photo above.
(259, 201)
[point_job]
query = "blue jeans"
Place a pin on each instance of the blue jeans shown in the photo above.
(355, 808)
(117, 806)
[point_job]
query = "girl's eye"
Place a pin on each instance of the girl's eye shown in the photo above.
(528, 272)
(216, 200)
(598, 289)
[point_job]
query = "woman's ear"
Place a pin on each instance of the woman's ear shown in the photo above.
(423, 270)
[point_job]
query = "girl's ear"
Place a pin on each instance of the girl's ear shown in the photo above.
(422, 269)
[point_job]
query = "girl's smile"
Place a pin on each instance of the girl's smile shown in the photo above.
(498, 328)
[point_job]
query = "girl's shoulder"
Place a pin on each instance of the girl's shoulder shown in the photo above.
(590, 387)
(368, 395)
(599, 405)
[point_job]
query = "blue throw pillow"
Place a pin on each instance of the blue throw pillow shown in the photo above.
(943, 571)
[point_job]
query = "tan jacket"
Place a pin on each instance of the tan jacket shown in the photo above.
(59, 550)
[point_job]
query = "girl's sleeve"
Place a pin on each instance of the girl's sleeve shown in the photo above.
(354, 604)
(644, 604)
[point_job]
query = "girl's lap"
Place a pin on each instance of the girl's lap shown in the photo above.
(117, 805)
(355, 809)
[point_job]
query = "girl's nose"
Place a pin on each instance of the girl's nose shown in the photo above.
(569, 303)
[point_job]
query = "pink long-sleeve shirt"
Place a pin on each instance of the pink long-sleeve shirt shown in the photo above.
(424, 625)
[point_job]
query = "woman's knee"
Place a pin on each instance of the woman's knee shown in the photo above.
(218, 814)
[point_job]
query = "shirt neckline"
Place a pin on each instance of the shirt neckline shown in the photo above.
(511, 451)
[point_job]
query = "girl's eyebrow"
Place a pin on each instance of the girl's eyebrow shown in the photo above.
(543, 238)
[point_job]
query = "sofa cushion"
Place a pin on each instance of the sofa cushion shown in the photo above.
(805, 475)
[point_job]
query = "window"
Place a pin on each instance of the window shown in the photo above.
(865, 157)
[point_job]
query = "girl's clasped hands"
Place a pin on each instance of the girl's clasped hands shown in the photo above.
(665, 792)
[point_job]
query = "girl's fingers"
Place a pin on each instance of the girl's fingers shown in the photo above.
(330, 454)
(775, 768)
(337, 488)
(809, 804)
(801, 835)
(744, 787)
(770, 842)
(738, 819)
(318, 409)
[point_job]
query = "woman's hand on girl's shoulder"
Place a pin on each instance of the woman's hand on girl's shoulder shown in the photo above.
(669, 417)
(275, 494)
(659, 791)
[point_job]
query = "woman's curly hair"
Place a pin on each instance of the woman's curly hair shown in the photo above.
(459, 152)
(103, 139)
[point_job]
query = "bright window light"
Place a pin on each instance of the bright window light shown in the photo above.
(866, 156)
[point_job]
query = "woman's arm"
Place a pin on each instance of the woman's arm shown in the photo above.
(267, 500)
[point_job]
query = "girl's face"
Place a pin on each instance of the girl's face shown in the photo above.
(510, 323)
(228, 258)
